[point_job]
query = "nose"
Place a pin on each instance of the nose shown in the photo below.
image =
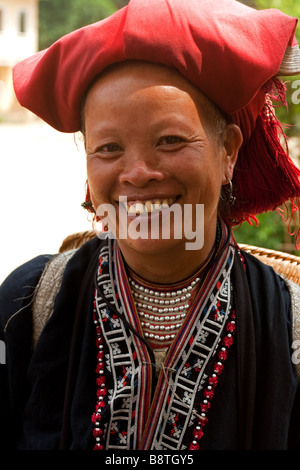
(140, 171)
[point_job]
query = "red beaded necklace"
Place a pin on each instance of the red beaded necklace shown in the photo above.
(213, 381)
(101, 385)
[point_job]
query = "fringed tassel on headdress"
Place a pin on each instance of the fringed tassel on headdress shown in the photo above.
(265, 176)
(290, 214)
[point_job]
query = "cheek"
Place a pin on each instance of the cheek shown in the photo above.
(100, 182)
(206, 178)
(209, 194)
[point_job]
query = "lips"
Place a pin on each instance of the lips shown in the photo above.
(149, 206)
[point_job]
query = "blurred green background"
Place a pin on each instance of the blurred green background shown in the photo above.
(58, 17)
(271, 232)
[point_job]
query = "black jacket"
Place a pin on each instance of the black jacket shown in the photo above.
(45, 406)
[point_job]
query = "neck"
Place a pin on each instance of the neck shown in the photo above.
(163, 270)
(167, 266)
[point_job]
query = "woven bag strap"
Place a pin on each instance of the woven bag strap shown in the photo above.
(46, 291)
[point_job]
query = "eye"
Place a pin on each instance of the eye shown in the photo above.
(107, 150)
(170, 140)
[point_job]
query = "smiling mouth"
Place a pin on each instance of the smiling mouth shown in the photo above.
(147, 207)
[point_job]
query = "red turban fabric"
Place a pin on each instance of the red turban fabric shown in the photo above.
(231, 52)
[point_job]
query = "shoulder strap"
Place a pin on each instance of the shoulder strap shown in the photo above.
(46, 291)
(294, 290)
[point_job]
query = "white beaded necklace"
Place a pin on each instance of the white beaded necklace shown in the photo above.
(161, 310)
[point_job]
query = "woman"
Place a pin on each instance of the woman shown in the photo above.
(160, 342)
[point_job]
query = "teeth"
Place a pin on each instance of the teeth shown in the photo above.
(131, 209)
(139, 208)
(148, 206)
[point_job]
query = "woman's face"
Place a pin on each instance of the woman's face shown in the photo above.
(147, 142)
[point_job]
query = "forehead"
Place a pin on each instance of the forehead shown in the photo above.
(132, 76)
(160, 89)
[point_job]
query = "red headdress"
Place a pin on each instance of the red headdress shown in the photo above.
(231, 52)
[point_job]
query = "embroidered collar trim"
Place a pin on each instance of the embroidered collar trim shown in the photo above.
(125, 418)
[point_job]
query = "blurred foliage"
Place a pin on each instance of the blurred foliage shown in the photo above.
(268, 233)
(59, 17)
(290, 7)
(292, 117)
(249, 3)
(271, 232)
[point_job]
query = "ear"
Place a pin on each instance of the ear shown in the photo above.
(233, 139)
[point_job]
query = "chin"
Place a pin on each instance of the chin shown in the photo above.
(151, 247)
